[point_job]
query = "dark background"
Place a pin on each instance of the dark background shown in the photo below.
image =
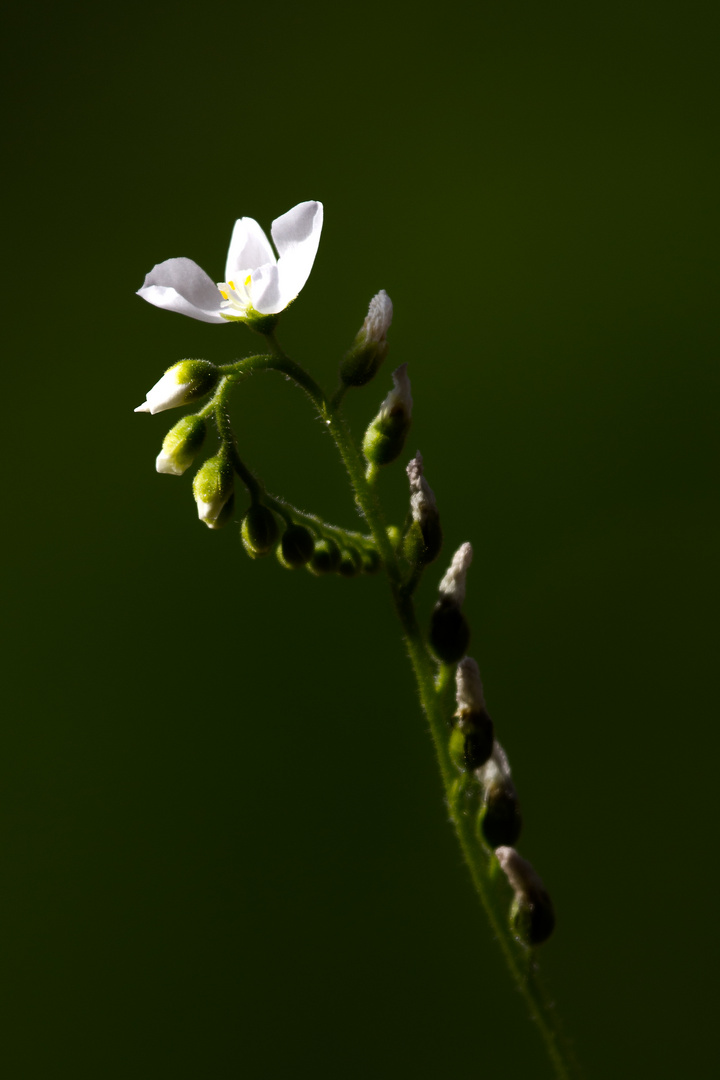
(224, 849)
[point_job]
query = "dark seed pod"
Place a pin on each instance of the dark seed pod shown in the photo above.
(325, 558)
(479, 738)
(259, 531)
(449, 631)
(533, 919)
(501, 821)
(297, 546)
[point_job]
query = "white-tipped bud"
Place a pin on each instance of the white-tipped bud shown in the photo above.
(378, 319)
(496, 770)
(472, 740)
(213, 488)
(531, 916)
(422, 497)
(385, 437)
(522, 876)
(423, 540)
(469, 688)
(370, 346)
(452, 586)
(184, 382)
(181, 445)
(501, 819)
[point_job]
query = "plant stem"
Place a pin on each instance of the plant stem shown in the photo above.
(434, 691)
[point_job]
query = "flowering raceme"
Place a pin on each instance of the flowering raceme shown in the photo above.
(256, 283)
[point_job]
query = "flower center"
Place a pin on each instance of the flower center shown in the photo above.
(236, 297)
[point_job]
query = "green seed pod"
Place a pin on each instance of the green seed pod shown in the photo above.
(325, 558)
(296, 547)
(449, 631)
(259, 531)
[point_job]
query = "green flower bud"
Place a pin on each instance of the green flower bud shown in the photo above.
(371, 561)
(181, 445)
(385, 437)
(182, 383)
(259, 531)
(212, 488)
(296, 547)
(369, 349)
(394, 535)
(532, 916)
(350, 562)
(325, 558)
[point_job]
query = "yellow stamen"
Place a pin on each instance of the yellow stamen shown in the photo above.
(232, 286)
(224, 295)
(247, 281)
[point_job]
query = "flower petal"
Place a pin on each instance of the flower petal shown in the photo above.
(296, 235)
(249, 248)
(181, 285)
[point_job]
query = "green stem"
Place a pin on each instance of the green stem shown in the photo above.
(434, 690)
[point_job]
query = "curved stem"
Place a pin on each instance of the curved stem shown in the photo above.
(434, 690)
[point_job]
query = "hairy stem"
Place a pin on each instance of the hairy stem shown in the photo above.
(434, 684)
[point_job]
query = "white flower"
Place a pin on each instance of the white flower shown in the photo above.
(256, 282)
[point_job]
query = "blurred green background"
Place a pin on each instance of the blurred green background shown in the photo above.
(224, 849)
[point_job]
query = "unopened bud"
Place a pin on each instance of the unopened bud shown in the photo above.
(350, 563)
(473, 724)
(370, 347)
(423, 539)
(371, 561)
(532, 915)
(385, 437)
(212, 488)
(500, 817)
(181, 445)
(184, 382)
(259, 531)
(325, 557)
(296, 547)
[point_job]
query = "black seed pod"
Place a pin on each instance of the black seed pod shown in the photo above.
(501, 820)
(532, 918)
(449, 631)
(325, 558)
(297, 546)
(479, 733)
